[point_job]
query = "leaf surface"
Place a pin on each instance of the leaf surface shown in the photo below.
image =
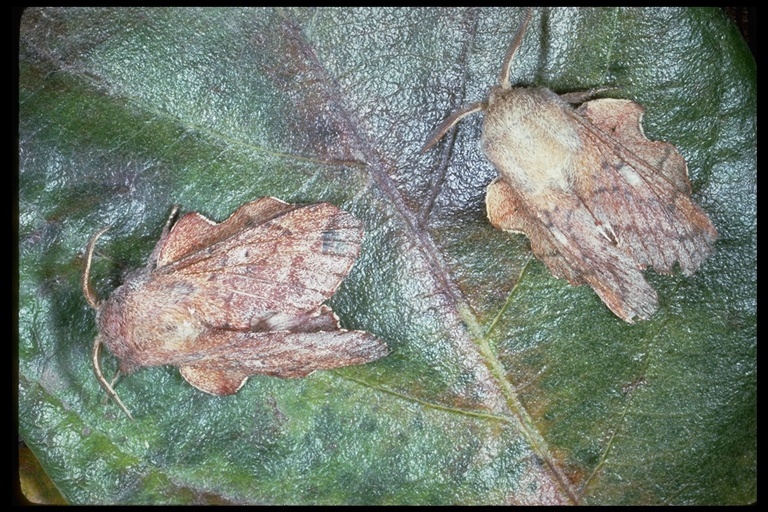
(504, 384)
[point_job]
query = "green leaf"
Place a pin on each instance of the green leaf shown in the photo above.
(504, 384)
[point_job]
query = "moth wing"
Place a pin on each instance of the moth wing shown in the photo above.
(565, 238)
(507, 211)
(233, 356)
(638, 190)
(194, 232)
(214, 381)
(268, 258)
(320, 319)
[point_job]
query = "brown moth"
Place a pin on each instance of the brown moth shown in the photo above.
(243, 297)
(597, 199)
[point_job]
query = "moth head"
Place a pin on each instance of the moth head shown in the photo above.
(95, 303)
(504, 85)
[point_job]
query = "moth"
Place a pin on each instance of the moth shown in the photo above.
(243, 297)
(598, 200)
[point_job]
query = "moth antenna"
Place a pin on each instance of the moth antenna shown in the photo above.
(512, 50)
(100, 376)
(90, 295)
(93, 301)
(451, 120)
